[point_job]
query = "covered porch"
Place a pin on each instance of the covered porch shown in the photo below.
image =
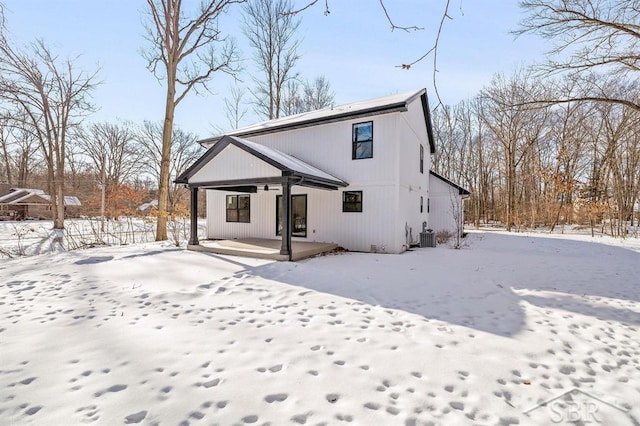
(261, 248)
(240, 166)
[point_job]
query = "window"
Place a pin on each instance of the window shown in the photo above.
(362, 141)
(421, 158)
(238, 208)
(352, 201)
(421, 204)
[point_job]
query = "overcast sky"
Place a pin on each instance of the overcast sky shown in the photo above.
(352, 46)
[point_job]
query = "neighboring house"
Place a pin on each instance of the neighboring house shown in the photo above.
(28, 203)
(357, 176)
(446, 205)
(146, 208)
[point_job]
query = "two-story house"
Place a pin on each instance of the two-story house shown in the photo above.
(355, 175)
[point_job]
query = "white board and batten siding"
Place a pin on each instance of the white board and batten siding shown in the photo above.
(414, 184)
(326, 222)
(444, 199)
(390, 181)
(233, 163)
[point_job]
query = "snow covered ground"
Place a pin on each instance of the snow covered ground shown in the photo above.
(153, 334)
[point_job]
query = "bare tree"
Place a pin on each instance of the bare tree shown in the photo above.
(5, 135)
(271, 31)
(235, 109)
(185, 51)
(590, 37)
(112, 150)
(25, 158)
(312, 96)
(515, 127)
(52, 97)
(184, 151)
(318, 94)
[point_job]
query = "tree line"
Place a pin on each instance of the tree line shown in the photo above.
(548, 145)
(558, 142)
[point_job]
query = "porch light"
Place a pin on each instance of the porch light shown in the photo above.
(266, 187)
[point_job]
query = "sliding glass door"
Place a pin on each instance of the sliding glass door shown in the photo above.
(298, 216)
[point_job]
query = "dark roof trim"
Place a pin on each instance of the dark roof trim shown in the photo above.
(243, 189)
(386, 109)
(427, 120)
(216, 184)
(460, 189)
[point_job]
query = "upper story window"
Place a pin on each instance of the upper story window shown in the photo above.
(362, 140)
(421, 158)
(352, 201)
(238, 208)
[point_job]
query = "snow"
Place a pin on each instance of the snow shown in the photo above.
(154, 334)
(287, 161)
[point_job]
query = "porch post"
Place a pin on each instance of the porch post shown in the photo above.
(286, 217)
(193, 238)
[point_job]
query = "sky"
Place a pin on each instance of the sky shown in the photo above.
(353, 47)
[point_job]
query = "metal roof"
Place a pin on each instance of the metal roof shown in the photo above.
(461, 190)
(383, 105)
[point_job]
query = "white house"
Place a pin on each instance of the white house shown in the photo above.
(446, 204)
(355, 175)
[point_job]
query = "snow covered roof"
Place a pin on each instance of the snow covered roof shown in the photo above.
(461, 190)
(30, 196)
(20, 195)
(68, 200)
(285, 162)
(383, 105)
(153, 204)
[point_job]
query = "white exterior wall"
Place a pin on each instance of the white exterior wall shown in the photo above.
(444, 198)
(391, 185)
(413, 184)
(325, 220)
(234, 163)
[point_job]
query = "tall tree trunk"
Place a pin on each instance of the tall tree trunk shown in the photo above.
(165, 162)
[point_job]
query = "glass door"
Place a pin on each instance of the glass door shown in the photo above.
(298, 216)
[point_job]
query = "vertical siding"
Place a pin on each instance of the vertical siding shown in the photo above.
(413, 184)
(443, 197)
(328, 147)
(234, 163)
(391, 183)
(326, 222)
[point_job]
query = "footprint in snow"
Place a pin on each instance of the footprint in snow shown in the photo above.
(250, 419)
(114, 388)
(135, 417)
(278, 397)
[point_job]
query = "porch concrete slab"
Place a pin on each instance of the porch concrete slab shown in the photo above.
(262, 248)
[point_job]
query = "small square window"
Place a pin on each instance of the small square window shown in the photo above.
(352, 201)
(362, 140)
(238, 208)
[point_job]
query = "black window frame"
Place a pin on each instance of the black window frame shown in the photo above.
(237, 208)
(353, 204)
(355, 143)
(421, 158)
